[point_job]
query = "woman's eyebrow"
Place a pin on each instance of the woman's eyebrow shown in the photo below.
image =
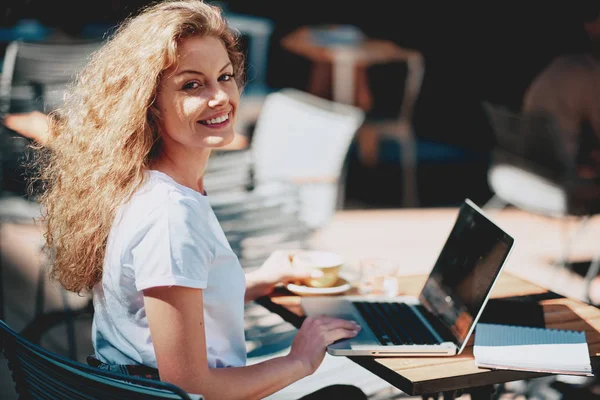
(195, 72)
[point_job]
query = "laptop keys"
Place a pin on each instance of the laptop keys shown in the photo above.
(394, 323)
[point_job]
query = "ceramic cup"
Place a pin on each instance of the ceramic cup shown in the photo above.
(323, 267)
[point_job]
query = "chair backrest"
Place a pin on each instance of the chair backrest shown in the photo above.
(34, 71)
(531, 142)
(41, 374)
(415, 64)
(305, 139)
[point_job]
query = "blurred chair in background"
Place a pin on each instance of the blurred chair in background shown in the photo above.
(34, 76)
(532, 170)
(398, 127)
(256, 36)
(257, 221)
(312, 136)
(229, 171)
(257, 32)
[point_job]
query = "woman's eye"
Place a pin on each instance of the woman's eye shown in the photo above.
(191, 85)
(226, 77)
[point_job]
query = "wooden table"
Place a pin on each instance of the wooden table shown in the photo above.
(356, 234)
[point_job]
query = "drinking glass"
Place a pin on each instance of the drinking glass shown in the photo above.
(378, 276)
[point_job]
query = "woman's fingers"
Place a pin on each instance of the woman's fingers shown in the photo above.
(334, 322)
(340, 333)
(315, 334)
(333, 329)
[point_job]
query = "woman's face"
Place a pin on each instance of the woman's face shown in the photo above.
(198, 99)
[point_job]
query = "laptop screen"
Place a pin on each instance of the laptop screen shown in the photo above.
(465, 271)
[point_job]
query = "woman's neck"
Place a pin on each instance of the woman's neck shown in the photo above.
(187, 171)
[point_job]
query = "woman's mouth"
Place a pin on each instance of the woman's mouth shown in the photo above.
(215, 121)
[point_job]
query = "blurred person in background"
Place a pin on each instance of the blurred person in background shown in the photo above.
(127, 216)
(569, 90)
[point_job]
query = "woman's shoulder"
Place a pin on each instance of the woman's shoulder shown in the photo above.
(159, 187)
(160, 194)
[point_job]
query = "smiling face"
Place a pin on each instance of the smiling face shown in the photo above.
(198, 98)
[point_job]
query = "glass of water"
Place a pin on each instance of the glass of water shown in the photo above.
(378, 276)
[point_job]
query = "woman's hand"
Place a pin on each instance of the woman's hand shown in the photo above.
(33, 125)
(315, 334)
(276, 269)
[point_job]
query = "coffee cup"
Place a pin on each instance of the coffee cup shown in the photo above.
(323, 267)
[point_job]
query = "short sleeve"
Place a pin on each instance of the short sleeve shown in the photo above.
(174, 249)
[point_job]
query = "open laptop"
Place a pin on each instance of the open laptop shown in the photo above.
(441, 319)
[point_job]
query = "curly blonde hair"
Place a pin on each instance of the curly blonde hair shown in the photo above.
(107, 132)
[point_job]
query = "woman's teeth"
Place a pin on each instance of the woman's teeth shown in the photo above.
(217, 120)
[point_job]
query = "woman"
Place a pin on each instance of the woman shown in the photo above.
(127, 214)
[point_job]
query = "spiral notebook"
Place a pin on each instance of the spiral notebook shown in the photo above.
(525, 348)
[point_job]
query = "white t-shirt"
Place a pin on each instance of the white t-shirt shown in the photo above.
(167, 235)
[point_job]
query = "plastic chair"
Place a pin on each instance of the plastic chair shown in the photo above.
(531, 170)
(304, 139)
(41, 374)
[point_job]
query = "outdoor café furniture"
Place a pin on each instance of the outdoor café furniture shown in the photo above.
(413, 238)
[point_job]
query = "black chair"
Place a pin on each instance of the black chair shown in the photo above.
(41, 374)
(531, 170)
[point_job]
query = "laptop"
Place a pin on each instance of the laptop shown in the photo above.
(441, 319)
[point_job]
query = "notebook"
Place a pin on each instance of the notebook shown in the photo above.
(441, 319)
(525, 348)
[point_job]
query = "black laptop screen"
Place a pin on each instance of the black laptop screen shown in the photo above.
(465, 271)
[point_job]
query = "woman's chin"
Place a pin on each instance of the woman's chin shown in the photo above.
(219, 141)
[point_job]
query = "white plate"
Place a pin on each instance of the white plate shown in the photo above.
(342, 286)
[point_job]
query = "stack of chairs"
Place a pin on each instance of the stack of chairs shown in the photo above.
(257, 219)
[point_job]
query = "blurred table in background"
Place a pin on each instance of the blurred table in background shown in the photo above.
(414, 237)
(338, 54)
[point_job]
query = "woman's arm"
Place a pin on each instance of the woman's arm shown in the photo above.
(177, 327)
(33, 125)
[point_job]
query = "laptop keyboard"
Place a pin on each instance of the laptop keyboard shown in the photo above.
(394, 323)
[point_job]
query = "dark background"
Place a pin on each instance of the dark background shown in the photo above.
(473, 52)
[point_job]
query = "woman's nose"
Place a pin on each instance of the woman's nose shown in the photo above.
(218, 98)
